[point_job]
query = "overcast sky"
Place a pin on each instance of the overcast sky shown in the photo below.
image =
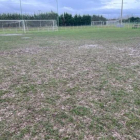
(104, 7)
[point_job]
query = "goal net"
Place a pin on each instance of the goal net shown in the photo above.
(98, 23)
(110, 23)
(41, 25)
(11, 26)
(113, 23)
(20, 26)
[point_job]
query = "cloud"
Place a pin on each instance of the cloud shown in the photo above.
(116, 4)
(30, 7)
(104, 7)
(68, 9)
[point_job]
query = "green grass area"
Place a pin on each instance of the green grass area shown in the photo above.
(115, 35)
(72, 84)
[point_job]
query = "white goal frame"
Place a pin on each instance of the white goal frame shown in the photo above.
(50, 25)
(111, 23)
(98, 23)
(26, 25)
(13, 24)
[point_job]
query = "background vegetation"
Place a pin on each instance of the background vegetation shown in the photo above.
(65, 19)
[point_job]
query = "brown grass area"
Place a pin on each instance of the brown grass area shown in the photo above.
(68, 91)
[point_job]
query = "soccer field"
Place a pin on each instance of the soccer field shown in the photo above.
(77, 83)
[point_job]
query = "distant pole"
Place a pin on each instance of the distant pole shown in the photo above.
(22, 17)
(57, 13)
(21, 10)
(122, 12)
(40, 17)
(39, 11)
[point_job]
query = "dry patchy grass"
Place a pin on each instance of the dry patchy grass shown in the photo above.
(56, 88)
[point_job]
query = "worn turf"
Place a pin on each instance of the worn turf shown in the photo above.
(74, 84)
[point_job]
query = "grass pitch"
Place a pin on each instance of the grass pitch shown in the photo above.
(74, 84)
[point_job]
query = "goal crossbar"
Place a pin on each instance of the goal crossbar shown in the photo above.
(105, 23)
(29, 25)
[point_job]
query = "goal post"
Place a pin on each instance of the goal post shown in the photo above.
(12, 26)
(109, 23)
(112, 22)
(41, 25)
(98, 23)
(19, 26)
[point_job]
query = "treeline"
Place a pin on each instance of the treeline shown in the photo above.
(134, 19)
(76, 20)
(64, 19)
(41, 16)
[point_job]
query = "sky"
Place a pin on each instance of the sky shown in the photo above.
(108, 8)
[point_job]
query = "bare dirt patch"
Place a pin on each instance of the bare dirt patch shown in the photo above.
(31, 50)
(26, 37)
(90, 46)
(11, 35)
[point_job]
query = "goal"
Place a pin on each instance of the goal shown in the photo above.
(12, 26)
(98, 23)
(41, 25)
(109, 23)
(20, 26)
(113, 23)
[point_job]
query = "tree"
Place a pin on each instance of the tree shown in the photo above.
(65, 19)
